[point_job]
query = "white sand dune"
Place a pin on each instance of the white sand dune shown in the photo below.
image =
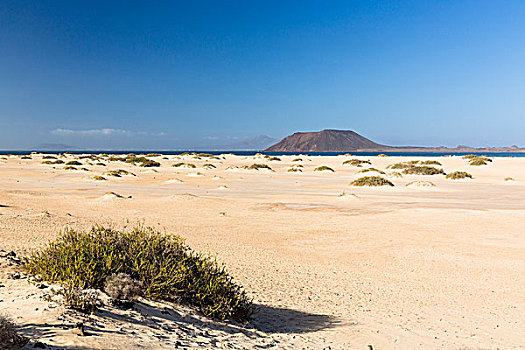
(399, 267)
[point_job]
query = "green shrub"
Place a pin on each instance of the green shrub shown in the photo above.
(9, 339)
(477, 162)
(118, 173)
(165, 266)
(371, 169)
(431, 162)
(423, 170)
(58, 161)
(73, 162)
(148, 163)
(49, 157)
(186, 165)
(257, 166)
(458, 175)
(470, 156)
(153, 155)
(371, 181)
(403, 165)
(356, 162)
(324, 168)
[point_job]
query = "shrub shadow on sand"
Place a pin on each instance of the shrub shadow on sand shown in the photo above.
(268, 319)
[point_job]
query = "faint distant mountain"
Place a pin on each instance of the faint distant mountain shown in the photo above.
(325, 141)
(256, 143)
(55, 147)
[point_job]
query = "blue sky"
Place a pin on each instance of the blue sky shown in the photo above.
(134, 74)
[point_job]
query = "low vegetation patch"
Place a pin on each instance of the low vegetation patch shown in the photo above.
(184, 165)
(477, 162)
(69, 167)
(324, 168)
(149, 163)
(371, 169)
(295, 170)
(26, 157)
(73, 162)
(118, 173)
(209, 166)
(430, 162)
(49, 157)
(402, 165)
(99, 178)
(382, 155)
(371, 181)
(423, 170)
(509, 179)
(356, 162)
(58, 161)
(458, 175)
(257, 166)
(165, 267)
(297, 160)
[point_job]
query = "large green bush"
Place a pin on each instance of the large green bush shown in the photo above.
(165, 266)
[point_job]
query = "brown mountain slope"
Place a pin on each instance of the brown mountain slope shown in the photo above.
(325, 141)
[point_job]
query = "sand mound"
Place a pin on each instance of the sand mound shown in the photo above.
(420, 184)
(173, 181)
(111, 196)
(197, 174)
(216, 178)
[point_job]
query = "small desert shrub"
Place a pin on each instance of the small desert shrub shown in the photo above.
(148, 163)
(209, 166)
(99, 178)
(58, 161)
(395, 174)
(73, 162)
(165, 266)
(153, 155)
(470, 156)
(121, 288)
(423, 170)
(26, 157)
(404, 165)
(118, 173)
(509, 179)
(477, 162)
(49, 157)
(79, 299)
(356, 162)
(186, 165)
(293, 170)
(257, 166)
(371, 181)
(324, 168)
(297, 160)
(431, 162)
(371, 169)
(458, 175)
(9, 339)
(69, 167)
(100, 164)
(270, 159)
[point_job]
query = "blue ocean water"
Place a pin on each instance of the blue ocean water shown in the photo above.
(251, 153)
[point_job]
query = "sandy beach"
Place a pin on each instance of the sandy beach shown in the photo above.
(425, 266)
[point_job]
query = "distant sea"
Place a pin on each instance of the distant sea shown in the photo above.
(251, 153)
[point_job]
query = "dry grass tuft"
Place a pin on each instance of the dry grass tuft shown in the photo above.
(324, 168)
(458, 175)
(356, 162)
(372, 181)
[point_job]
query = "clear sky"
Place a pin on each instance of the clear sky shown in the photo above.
(169, 74)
